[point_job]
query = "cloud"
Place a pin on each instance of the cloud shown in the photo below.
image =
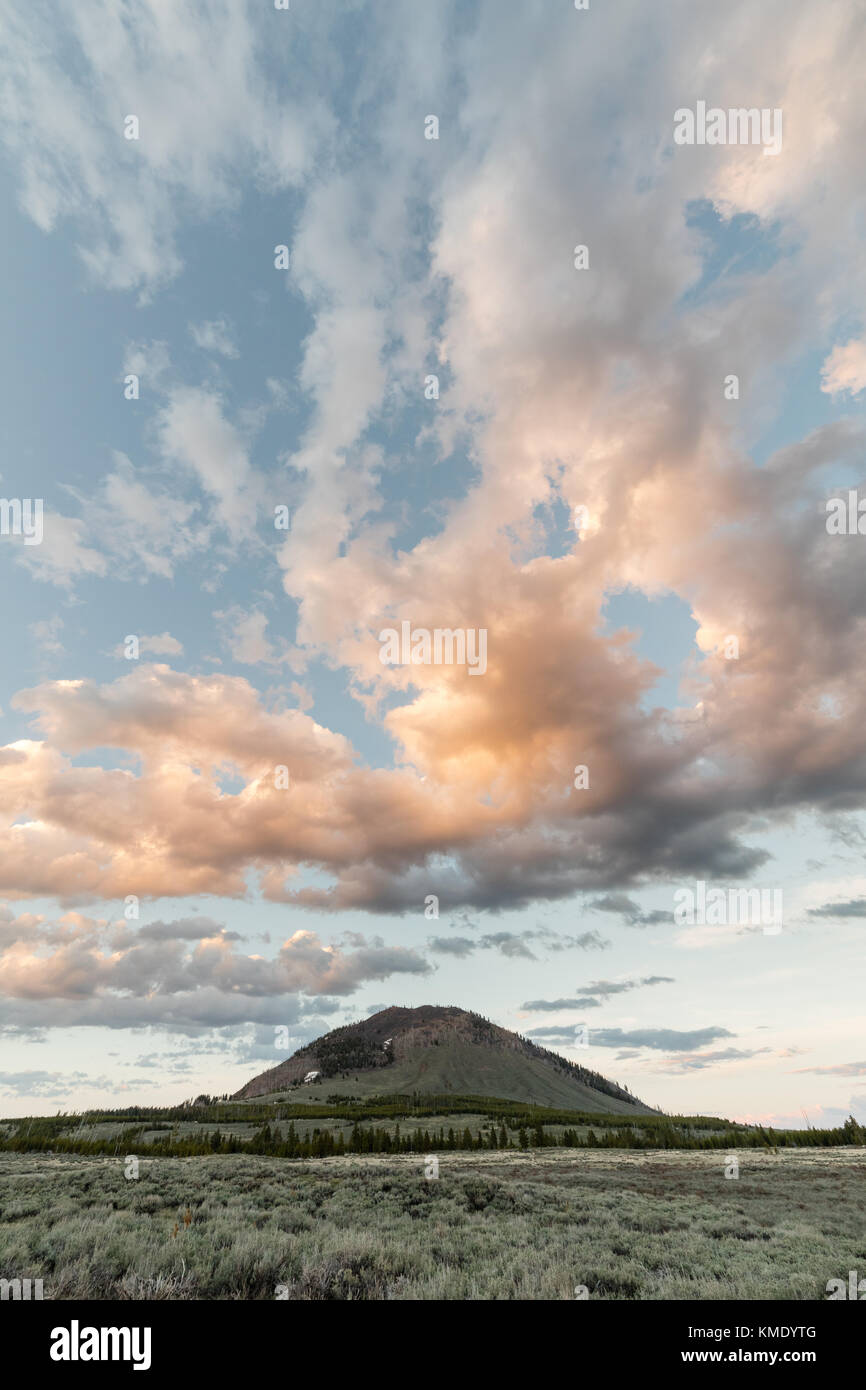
(180, 976)
(611, 987)
(195, 432)
(516, 945)
(244, 634)
(206, 110)
(460, 946)
(816, 1116)
(845, 369)
(214, 335)
(856, 907)
(173, 828)
(597, 991)
(160, 644)
(656, 1039)
(186, 929)
(63, 555)
(47, 634)
(509, 944)
(840, 1069)
(131, 526)
(55, 1083)
(699, 1061)
(626, 907)
(554, 1005)
(480, 805)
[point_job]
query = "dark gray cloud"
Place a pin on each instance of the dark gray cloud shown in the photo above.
(855, 907)
(461, 946)
(629, 910)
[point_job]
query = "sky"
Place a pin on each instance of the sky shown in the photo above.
(346, 319)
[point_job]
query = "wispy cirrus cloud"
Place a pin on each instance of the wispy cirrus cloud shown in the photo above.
(597, 992)
(517, 945)
(655, 1039)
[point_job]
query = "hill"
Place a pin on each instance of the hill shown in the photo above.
(436, 1050)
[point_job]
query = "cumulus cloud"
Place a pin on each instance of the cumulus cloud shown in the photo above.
(562, 389)
(158, 644)
(244, 633)
(64, 555)
(214, 335)
(186, 929)
(181, 975)
(845, 369)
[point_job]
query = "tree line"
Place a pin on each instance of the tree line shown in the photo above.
(323, 1143)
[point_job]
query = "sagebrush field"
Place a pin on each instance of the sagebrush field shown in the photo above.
(504, 1225)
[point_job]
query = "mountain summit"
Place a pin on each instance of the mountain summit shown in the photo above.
(436, 1050)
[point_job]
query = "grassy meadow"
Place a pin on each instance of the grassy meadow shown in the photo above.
(492, 1225)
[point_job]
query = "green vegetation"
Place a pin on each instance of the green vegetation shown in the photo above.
(493, 1225)
(344, 1050)
(374, 1126)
